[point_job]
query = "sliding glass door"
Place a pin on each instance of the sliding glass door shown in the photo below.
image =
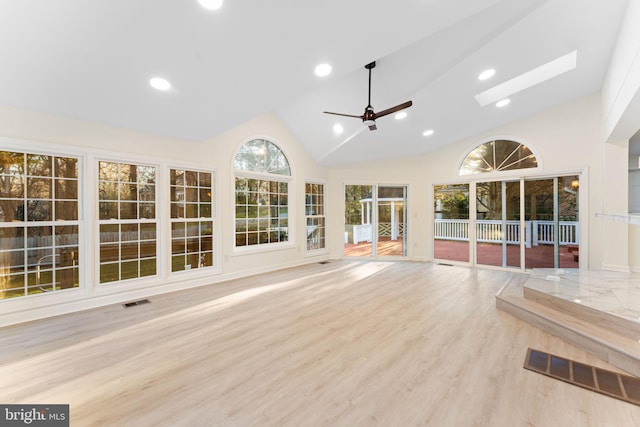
(551, 215)
(451, 226)
(498, 227)
(526, 223)
(391, 220)
(375, 220)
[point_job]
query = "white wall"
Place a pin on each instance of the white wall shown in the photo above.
(621, 88)
(566, 139)
(35, 132)
(621, 120)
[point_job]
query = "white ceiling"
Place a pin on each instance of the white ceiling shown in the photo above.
(92, 60)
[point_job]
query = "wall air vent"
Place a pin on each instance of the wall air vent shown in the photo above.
(135, 303)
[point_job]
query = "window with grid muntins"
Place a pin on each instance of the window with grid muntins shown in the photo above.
(127, 221)
(39, 223)
(314, 211)
(262, 208)
(191, 219)
(261, 194)
(498, 155)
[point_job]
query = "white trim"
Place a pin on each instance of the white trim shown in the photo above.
(270, 139)
(70, 306)
(167, 237)
(615, 267)
(291, 197)
(313, 252)
(97, 222)
(45, 298)
(374, 218)
(583, 209)
(90, 293)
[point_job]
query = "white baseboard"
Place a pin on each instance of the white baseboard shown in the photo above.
(614, 267)
(79, 300)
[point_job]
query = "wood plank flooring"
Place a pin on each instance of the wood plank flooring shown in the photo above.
(348, 343)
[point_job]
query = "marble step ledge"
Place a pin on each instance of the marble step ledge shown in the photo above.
(604, 298)
(615, 349)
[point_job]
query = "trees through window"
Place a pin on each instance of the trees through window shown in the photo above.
(262, 175)
(39, 223)
(127, 220)
(498, 155)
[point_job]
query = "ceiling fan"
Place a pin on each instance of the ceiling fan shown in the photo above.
(369, 116)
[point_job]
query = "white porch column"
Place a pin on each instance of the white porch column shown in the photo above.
(394, 225)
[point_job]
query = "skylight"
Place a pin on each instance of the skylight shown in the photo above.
(530, 78)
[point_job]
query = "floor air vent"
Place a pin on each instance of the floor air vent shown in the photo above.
(445, 264)
(324, 262)
(620, 386)
(135, 303)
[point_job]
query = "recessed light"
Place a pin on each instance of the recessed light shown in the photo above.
(503, 103)
(323, 70)
(486, 74)
(337, 128)
(160, 83)
(427, 132)
(211, 4)
(401, 115)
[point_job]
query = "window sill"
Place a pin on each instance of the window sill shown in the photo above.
(255, 249)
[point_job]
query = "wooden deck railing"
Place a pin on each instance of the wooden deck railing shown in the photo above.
(535, 233)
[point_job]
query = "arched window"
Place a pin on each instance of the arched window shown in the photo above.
(262, 175)
(260, 155)
(498, 155)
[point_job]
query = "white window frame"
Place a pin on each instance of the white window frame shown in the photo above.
(139, 221)
(322, 216)
(500, 172)
(288, 179)
(53, 222)
(199, 220)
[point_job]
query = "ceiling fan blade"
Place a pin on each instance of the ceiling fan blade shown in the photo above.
(345, 115)
(394, 109)
(373, 126)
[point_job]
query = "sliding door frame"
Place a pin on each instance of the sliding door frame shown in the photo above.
(583, 209)
(375, 186)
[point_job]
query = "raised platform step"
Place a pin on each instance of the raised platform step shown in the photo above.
(592, 335)
(605, 298)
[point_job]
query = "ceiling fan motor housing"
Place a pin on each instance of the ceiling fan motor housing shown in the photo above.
(369, 116)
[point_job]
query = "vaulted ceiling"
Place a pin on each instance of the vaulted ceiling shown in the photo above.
(93, 59)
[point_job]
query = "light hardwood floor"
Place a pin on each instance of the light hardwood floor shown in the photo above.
(349, 343)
